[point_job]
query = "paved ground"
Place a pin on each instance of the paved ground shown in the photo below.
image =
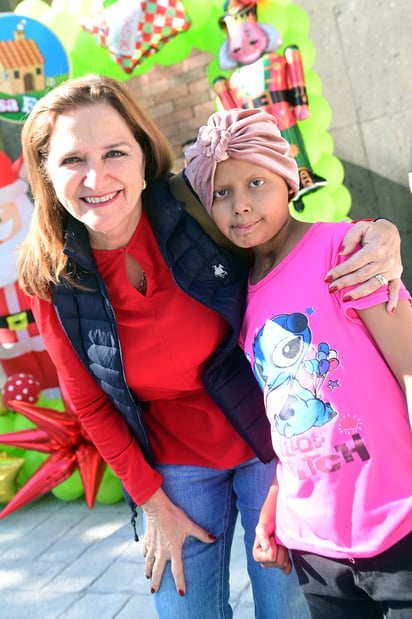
(60, 560)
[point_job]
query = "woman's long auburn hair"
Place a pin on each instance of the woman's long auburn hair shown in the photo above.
(41, 258)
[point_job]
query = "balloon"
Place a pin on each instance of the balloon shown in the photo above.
(298, 19)
(64, 25)
(21, 423)
(199, 13)
(110, 490)
(314, 149)
(133, 31)
(343, 201)
(3, 408)
(32, 8)
(9, 469)
(283, 3)
(318, 206)
(32, 461)
(332, 169)
(174, 51)
(319, 119)
(7, 423)
(70, 489)
(60, 435)
(214, 70)
(314, 84)
(327, 145)
(6, 426)
(333, 364)
(274, 16)
(78, 8)
(54, 470)
(23, 387)
(305, 45)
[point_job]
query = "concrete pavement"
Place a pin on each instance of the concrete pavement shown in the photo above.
(60, 560)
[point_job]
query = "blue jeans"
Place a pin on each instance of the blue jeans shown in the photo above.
(213, 498)
(371, 588)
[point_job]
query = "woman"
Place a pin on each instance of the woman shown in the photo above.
(140, 311)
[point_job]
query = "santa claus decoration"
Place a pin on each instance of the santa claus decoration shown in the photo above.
(21, 347)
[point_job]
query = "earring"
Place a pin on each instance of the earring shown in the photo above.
(144, 184)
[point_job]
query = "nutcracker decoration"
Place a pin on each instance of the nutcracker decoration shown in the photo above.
(21, 346)
(262, 78)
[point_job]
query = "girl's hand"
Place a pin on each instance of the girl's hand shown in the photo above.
(266, 550)
(380, 255)
(270, 554)
(167, 527)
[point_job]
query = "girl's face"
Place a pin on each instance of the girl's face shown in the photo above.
(250, 203)
(97, 169)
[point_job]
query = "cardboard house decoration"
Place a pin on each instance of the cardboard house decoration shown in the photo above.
(21, 65)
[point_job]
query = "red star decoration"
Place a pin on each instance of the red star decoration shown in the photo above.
(61, 435)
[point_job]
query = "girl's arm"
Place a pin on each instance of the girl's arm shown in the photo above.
(393, 336)
(266, 550)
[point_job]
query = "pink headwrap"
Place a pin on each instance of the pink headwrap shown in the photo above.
(249, 135)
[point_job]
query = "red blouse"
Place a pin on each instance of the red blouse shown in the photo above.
(166, 339)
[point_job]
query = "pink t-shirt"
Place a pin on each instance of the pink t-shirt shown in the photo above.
(338, 416)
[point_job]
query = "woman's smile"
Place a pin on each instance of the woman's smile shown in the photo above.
(104, 200)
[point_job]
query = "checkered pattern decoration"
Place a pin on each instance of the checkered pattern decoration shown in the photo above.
(134, 30)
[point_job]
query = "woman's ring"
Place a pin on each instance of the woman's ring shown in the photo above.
(382, 281)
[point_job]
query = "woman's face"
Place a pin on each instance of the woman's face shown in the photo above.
(97, 169)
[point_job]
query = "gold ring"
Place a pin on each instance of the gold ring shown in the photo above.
(382, 281)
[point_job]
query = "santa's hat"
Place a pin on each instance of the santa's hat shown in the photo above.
(9, 170)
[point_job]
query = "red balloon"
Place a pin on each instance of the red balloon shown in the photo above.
(60, 434)
(56, 469)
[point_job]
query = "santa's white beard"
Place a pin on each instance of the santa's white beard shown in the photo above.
(8, 255)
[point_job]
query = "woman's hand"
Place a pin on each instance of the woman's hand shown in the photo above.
(380, 255)
(167, 527)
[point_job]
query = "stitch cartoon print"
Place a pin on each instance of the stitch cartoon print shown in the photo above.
(280, 350)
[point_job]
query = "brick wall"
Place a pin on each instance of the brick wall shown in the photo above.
(178, 97)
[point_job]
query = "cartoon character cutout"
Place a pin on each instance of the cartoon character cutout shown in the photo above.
(281, 350)
(263, 78)
(21, 347)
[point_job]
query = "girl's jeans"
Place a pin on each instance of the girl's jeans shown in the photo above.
(212, 498)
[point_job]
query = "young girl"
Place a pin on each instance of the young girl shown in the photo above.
(336, 374)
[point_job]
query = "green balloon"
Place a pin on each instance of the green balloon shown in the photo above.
(319, 206)
(298, 19)
(331, 168)
(32, 461)
(7, 423)
(110, 490)
(275, 16)
(343, 202)
(319, 119)
(314, 86)
(305, 45)
(70, 489)
(22, 423)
